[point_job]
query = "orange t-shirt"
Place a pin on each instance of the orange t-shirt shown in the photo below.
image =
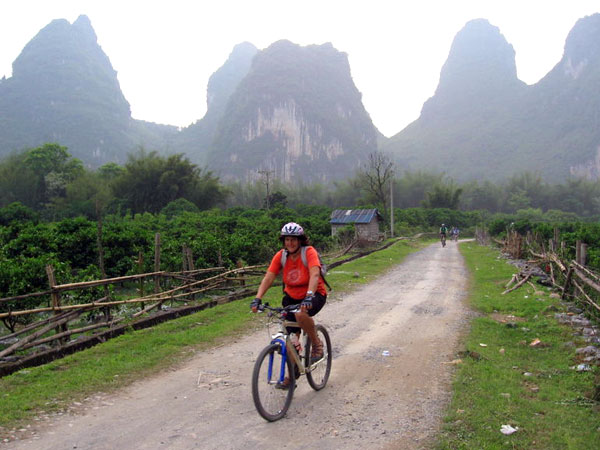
(296, 274)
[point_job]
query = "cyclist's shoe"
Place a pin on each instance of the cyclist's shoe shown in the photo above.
(285, 385)
(316, 352)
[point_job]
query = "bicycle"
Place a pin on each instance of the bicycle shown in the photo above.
(443, 239)
(279, 359)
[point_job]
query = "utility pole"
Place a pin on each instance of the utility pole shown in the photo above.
(392, 205)
(267, 175)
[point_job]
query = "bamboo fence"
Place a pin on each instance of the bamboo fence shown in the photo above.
(62, 314)
(50, 330)
(571, 278)
(47, 334)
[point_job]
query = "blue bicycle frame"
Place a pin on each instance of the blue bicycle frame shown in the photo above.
(283, 348)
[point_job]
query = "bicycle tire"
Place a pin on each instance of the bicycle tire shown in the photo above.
(319, 372)
(270, 402)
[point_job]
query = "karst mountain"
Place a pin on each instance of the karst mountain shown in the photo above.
(483, 122)
(294, 112)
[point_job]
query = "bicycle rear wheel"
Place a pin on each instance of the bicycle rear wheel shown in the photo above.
(270, 400)
(319, 371)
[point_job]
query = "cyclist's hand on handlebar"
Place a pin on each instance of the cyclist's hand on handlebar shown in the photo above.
(255, 304)
(306, 303)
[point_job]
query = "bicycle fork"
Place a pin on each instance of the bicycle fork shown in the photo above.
(283, 350)
(286, 351)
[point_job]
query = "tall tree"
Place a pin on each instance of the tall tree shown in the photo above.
(150, 182)
(376, 175)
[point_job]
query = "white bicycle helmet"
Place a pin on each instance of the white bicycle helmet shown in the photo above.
(292, 229)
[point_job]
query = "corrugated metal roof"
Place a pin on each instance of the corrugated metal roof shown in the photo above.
(343, 216)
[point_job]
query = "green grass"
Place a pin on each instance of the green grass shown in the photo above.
(119, 361)
(510, 382)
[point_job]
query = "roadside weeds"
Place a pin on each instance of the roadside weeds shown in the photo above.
(515, 385)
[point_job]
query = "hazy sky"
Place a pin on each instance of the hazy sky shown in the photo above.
(165, 51)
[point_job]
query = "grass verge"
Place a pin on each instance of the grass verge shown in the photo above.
(507, 381)
(53, 387)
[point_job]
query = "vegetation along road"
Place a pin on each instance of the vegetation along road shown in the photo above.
(392, 340)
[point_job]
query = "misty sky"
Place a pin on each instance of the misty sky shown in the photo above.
(165, 51)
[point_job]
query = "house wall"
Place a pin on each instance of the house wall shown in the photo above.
(368, 231)
(364, 231)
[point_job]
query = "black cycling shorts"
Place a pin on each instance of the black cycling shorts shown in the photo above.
(317, 305)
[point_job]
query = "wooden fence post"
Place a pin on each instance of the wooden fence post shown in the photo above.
(583, 254)
(55, 295)
(184, 258)
(106, 309)
(567, 282)
(140, 264)
(578, 251)
(187, 258)
(157, 262)
(190, 257)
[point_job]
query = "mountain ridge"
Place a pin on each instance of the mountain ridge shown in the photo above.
(547, 128)
(295, 111)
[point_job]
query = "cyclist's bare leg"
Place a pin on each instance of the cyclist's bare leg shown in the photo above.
(308, 325)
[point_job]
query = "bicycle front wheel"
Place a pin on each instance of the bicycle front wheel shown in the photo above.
(270, 370)
(319, 371)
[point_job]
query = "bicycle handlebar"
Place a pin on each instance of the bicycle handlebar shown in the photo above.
(289, 308)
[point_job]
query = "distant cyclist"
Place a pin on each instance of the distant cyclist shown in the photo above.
(455, 233)
(443, 233)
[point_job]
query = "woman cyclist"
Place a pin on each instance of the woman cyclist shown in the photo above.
(303, 285)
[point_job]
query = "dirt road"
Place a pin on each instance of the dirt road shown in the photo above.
(415, 312)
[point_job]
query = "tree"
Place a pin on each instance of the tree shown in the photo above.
(411, 189)
(277, 198)
(88, 195)
(17, 212)
(54, 169)
(526, 190)
(38, 175)
(149, 182)
(16, 182)
(482, 196)
(178, 207)
(443, 196)
(375, 176)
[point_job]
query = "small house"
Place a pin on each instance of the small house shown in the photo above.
(365, 221)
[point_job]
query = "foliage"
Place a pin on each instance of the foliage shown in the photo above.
(178, 207)
(443, 196)
(149, 182)
(17, 212)
(426, 219)
(215, 237)
(38, 175)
